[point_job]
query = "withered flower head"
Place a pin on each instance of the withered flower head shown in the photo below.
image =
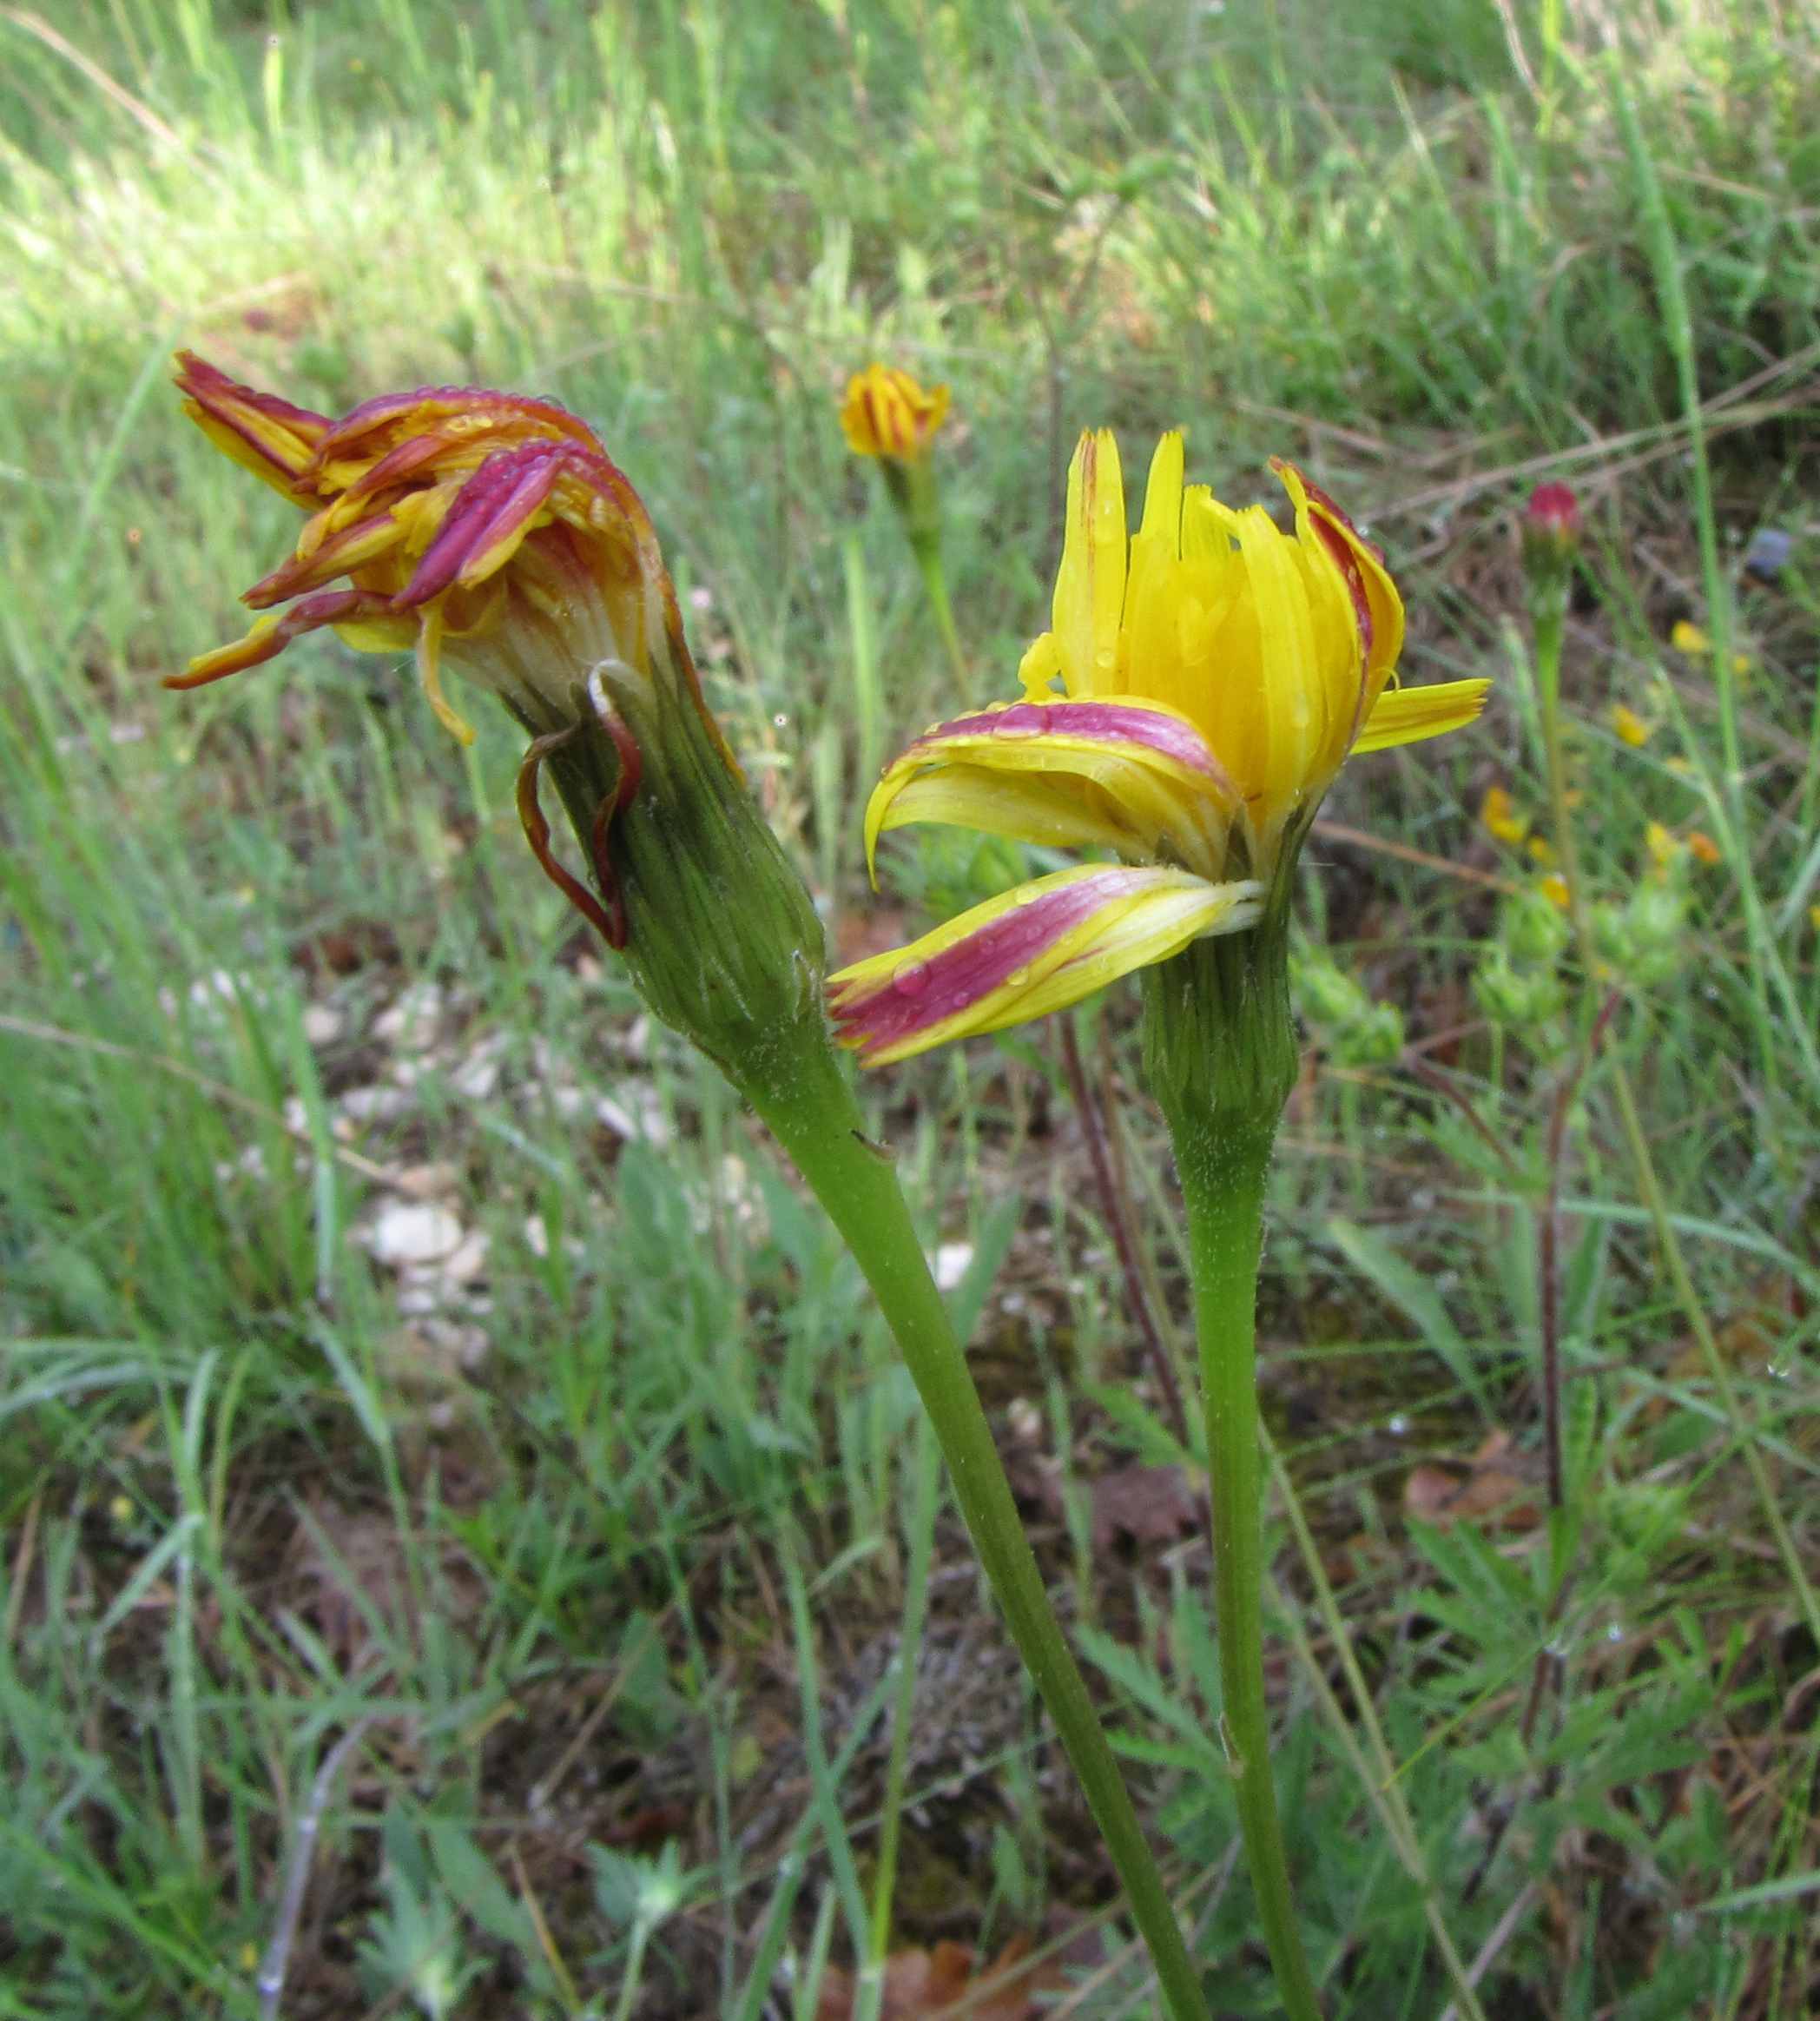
(490, 534)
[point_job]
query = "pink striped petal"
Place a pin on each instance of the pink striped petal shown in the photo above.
(273, 633)
(1037, 948)
(1138, 769)
(490, 516)
(266, 434)
(516, 416)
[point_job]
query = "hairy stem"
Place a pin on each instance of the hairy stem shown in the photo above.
(1223, 1164)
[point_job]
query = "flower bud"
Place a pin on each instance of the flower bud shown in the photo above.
(888, 416)
(1327, 996)
(1525, 1002)
(1535, 930)
(1551, 527)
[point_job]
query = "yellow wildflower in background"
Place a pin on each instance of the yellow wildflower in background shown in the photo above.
(1687, 636)
(887, 414)
(1665, 848)
(1703, 848)
(1553, 888)
(1499, 816)
(1630, 727)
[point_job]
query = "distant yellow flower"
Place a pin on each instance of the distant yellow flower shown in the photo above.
(1203, 682)
(1705, 850)
(1813, 917)
(1541, 850)
(1664, 846)
(1498, 815)
(1630, 727)
(1553, 888)
(887, 414)
(1687, 636)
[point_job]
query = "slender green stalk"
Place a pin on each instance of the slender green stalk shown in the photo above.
(926, 1474)
(805, 1100)
(1223, 1164)
(935, 581)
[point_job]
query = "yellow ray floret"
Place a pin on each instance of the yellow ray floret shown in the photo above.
(1128, 773)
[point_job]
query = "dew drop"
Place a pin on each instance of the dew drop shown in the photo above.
(1017, 979)
(1026, 894)
(1399, 1425)
(910, 978)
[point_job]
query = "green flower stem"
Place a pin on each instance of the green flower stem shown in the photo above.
(928, 548)
(1549, 611)
(926, 1472)
(1223, 1162)
(801, 1093)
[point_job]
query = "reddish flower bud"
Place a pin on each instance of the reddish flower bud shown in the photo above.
(1551, 525)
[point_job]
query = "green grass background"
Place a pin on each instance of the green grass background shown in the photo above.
(597, 1559)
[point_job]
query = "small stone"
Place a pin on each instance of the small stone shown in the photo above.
(1025, 1419)
(322, 1024)
(951, 1261)
(479, 1075)
(468, 1259)
(404, 1232)
(427, 1182)
(639, 1119)
(412, 1020)
(374, 1104)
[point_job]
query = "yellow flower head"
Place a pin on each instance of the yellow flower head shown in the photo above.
(1553, 888)
(1687, 636)
(1499, 816)
(1702, 847)
(1629, 727)
(1665, 848)
(887, 414)
(1201, 683)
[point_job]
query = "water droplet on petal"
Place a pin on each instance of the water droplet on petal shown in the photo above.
(910, 978)
(1026, 894)
(1017, 979)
